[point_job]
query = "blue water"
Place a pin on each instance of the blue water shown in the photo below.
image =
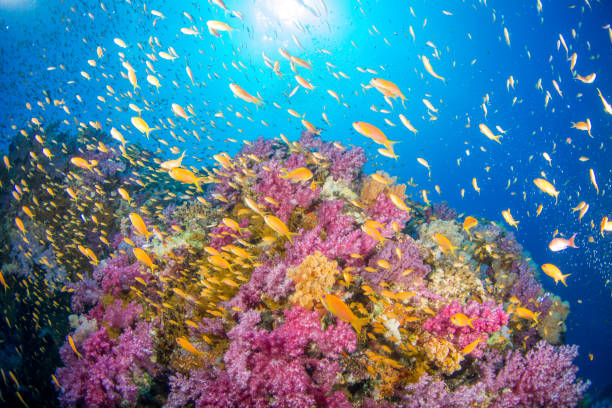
(40, 34)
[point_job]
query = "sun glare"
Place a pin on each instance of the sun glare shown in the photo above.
(287, 11)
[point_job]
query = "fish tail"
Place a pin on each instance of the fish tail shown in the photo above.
(289, 236)
(197, 183)
(359, 323)
(571, 241)
(563, 277)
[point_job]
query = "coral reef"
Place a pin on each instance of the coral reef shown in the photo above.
(324, 288)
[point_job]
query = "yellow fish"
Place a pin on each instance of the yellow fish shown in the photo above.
(470, 347)
(555, 273)
(279, 227)
(373, 232)
(525, 313)
(244, 95)
(461, 320)
(388, 89)
(444, 243)
(509, 219)
(3, 281)
(142, 126)
(429, 68)
(143, 257)
(338, 308)
(184, 343)
(73, 346)
(124, 194)
(302, 174)
(186, 176)
(547, 187)
(469, 223)
(171, 164)
(484, 129)
(139, 224)
(20, 225)
(84, 164)
(374, 133)
(585, 126)
(398, 202)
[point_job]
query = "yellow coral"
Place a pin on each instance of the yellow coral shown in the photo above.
(552, 326)
(443, 354)
(372, 188)
(313, 277)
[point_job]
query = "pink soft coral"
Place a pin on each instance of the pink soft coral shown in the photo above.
(294, 365)
(105, 374)
(489, 318)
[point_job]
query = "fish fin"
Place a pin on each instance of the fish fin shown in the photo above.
(563, 277)
(290, 234)
(198, 181)
(359, 323)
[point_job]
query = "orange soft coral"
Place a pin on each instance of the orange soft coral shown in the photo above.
(313, 277)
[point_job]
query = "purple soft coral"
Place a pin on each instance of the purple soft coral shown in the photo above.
(409, 260)
(117, 274)
(344, 164)
(430, 392)
(544, 377)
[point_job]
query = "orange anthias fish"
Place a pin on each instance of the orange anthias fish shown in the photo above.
(184, 343)
(429, 69)
(525, 313)
(73, 346)
(143, 257)
(398, 202)
(509, 218)
(279, 227)
(584, 126)
(387, 88)
(484, 129)
(84, 164)
(444, 243)
(461, 320)
(469, 223)
(142, 126)
(171, 164)
(338, 308)
(186, 176)
(470, 347)
(559, 244)
(244, 95)
(300, 175)
(547, 187)
(373, 232)
(555, 273)
(140, 225)
(605, 225)
(374, 133)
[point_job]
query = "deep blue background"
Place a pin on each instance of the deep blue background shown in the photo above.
(37, 36)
